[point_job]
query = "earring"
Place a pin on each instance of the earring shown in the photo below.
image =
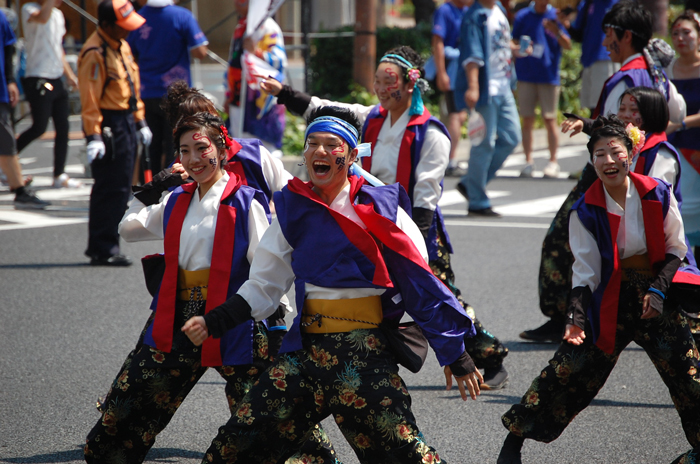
(303, 163)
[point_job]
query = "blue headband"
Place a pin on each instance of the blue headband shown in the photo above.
(340, 128)
(417, 99)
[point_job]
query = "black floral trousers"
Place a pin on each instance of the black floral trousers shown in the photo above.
(151, 386)
(576, 374)
(349, 375)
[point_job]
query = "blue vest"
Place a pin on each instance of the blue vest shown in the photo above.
(604, 226)
(335, 255)
(236, 346)
(409, 157)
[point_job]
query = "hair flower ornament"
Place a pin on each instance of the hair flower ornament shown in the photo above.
(413, 74)
(638, 138)
(225, 138)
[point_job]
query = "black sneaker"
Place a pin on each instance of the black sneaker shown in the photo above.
(484, 212)
(549, 332)
(495, 378)
(116, 260)
(26, 199)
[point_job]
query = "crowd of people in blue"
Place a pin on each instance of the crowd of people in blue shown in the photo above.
(238, 230)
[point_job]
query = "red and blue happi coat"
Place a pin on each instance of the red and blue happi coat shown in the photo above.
(332, 251)
(229, 269)
(604, 226)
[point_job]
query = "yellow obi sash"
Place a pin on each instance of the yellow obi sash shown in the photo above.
(332, 316)
(636, 266)
(191, 283)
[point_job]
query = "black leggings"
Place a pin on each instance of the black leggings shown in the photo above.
(47, 98)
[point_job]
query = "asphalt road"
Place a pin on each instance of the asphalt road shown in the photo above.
(66, 328)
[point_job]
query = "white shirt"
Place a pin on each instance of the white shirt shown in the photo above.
(664, 167)
(43, 43)
(434, 155)
(141, 222)
(271, 273)
(631, 239)
(676, 102)
(276, 176)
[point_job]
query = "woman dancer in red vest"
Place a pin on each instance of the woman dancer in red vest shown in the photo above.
(411, 147)
(627, 238)
(210, 229)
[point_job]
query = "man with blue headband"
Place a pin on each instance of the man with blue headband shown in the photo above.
(358, 262)
(410, 147)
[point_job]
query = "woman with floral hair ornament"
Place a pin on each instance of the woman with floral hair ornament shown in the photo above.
(411, 147)
(210, 229)
(628, 242)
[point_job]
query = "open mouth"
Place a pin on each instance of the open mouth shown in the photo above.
(321, 167)
(612, 172)
(197, 169)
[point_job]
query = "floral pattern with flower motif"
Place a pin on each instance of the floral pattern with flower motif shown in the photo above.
(361, 390)
(575, 375)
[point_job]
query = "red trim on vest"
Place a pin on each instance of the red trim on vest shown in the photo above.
(595, 195)
(355, 233)
(686, 278)
(611, 296)
(165, 310)
(404, 166)
(652, 141)
(219, 273)
(236, 167)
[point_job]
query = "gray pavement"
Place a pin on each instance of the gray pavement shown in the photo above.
(66, 328)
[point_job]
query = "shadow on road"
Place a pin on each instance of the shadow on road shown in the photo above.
(156, 454)
(527, 347)
(43, 265)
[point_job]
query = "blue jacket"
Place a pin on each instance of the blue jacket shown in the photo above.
(473, 43)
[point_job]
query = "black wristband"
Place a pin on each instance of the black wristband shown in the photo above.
(149, 193)
(296, 102)
(463, 365)
(227, 315)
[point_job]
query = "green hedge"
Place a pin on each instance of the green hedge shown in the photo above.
(332, 59)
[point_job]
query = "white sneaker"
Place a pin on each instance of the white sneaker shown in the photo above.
(63, 181)
(552, 170)
(527, 170)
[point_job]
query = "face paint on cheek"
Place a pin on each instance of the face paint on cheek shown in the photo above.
(615, 47)
(340, 149)
(341, 163)
(213, 162)
(625, 165)
(396, 95)
(395, 80)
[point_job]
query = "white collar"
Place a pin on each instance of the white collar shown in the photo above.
(159, 3)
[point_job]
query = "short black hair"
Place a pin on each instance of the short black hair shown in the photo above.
(653, 108)
(628, 15)
(609, 127)
(412, 56)
(345, 114)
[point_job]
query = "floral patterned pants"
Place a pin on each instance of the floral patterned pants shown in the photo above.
(152, 385)
(576, 373)
(350, 375)
(485, 349)
(556, 261)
